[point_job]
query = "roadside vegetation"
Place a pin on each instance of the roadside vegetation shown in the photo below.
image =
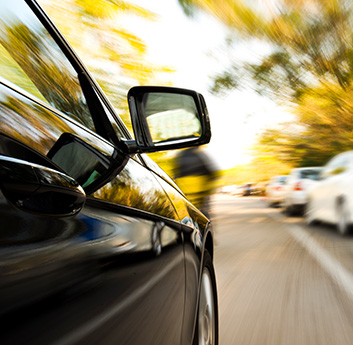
(309, 67)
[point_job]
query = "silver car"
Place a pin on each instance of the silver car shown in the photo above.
(274, 190)
(295, 193)
(330, 200)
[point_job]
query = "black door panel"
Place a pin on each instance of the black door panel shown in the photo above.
(136, 187)
(127, 236)
(123, 306)
(195, 226)
(135, 285)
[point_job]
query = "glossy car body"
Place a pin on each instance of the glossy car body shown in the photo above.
(274, 190)
(330, 200)
(296, 188)
(98, 245)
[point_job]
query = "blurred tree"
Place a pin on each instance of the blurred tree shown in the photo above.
(292, 145)
(116, 56)
(310, 40)
(310, 65)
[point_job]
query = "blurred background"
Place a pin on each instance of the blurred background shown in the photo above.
(276, 75)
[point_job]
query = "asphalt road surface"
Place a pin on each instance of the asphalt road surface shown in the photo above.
(279, 280)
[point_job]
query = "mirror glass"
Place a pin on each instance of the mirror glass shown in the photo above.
(171, 116)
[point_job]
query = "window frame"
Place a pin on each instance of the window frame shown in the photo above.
(80, 68)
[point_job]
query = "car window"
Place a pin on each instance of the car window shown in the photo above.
(339, 165)
(282, 179)
(10, 70)
(335, 166)
(311, 174)
(33, 60)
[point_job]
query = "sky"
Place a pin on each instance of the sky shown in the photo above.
(195, 48)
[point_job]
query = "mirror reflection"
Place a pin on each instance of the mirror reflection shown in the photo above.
(171, 116)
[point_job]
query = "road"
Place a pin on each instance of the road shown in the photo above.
(279, 280)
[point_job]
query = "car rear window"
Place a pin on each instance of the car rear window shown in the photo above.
(311, 174)
(282, 179)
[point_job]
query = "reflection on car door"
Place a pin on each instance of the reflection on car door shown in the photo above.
(128, 223)
(195, 226)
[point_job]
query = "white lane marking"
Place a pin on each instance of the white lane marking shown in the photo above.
(331, 265)
(89, 327)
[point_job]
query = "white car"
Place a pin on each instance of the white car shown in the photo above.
(274, 190)
(296, 188)
(330, 200)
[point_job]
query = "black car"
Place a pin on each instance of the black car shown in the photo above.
(97, 244)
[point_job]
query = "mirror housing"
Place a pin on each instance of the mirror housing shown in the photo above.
(167, 118)
(83, 162)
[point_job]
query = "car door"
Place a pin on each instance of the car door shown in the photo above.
(319, 194)
(123, 248)
(329, 188)
(197, 237)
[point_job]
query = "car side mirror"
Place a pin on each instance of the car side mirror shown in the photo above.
(167, 118)
(88, 166)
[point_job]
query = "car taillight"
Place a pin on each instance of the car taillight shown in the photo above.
(298, 186)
